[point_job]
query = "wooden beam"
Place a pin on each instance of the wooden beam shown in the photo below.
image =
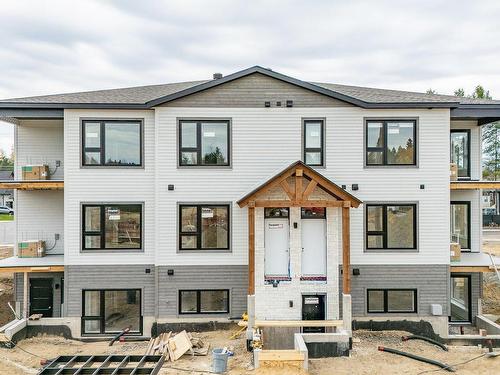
(298, 185)
(25, 296)
(309, 189)
(32, 185)
(346, 251)
(251, 248)
(471, 269)
(474, 185)
(302, 203)
(32, 269)
(270, 185)
(287, 189)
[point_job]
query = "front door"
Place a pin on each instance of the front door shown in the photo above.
(277, 245)
(313, 308)
(313, 247)
(41, 297)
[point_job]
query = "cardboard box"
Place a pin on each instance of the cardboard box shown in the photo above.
(453, 172)
(455, 252)
(35, 172)
(31, 249)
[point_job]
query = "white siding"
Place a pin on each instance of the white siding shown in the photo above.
(40, 142)
(475, 146)
(265, 140)
(107, 185)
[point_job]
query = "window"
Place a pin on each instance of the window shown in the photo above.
(204, 227)
(204, 143)
(314, 142)
(460, 298)
(392, 300)
(313, 212)
(391, 226)
(391, 142)
(270, 212)
(203, 301)
(111, 311)
(460, 223)
(112, 143)
(460, 151)
(112, 226)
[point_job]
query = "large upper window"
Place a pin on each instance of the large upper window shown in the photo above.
(203, 301)
(391, 226)
(392, 301)
(112, 226)
(391, 142)
(314, 142)
(460, 223)
(204, 227)
(204, 143)
(111, 311)
(112, 143)
(460, 151)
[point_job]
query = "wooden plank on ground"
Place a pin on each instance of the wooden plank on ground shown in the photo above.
(281, 355)
(179, 345)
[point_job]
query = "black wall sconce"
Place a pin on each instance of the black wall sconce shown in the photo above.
(422, 187)
(295, 225)
(289, 103)
(147, 270)
(267, 104)
(170, 187)
(355, 187)
(170, 272)
(278, 104)
(355, 271)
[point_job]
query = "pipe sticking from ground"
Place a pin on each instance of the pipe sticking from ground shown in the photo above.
(429, 340)
(444, 366)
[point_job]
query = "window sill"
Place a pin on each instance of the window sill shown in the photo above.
(110, 251)
(194, 251)
(404, 166)
(390, 251)
(112, 167)
(204, 167)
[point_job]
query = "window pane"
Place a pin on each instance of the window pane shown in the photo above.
(460, 224)
(92, 219)
(313, 158)
(376, 301)
(92, 242)
(189, 242)
(375, 241)
(400, 143)
(459, 298)
(92, 326)
(213, 301)
(375, 158)
(188, 219)
(214, 143)
(93, 134)
(122, 309)
(92, 158)
(92, 303)
(188, 135)
(275, 212)
(214, 227)
(123, 143)
(189, 158)
(313, 212)
(400, 227)
(313, 134)
(400, 301)
(375, 134)
(123, 226)
(375, 215)
(188, 302)
(460, 152)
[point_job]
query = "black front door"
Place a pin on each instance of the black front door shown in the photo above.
(41, 297)
(313, 308)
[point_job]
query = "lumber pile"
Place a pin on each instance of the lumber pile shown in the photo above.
(172, 347)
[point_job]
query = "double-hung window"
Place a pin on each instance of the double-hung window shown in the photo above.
(391, 142)
(112, 226)
(204, 227)
(460, 151)
(204, 301)
(112, 143)
(204, 143)
(314, 142)
(392, 300)
(460, 223)
(391, 226)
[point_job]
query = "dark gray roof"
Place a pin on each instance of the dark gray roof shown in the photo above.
(149, 96)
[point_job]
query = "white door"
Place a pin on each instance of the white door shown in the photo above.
(277, 243)
(313, 247)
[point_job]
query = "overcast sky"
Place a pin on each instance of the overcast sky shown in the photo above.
(50, 47)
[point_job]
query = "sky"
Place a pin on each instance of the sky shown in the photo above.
(56, 46)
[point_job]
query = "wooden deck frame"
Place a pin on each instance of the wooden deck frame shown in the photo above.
(32, 185)
(299, 197)
(474, 185)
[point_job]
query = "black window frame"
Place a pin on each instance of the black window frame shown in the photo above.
(469, 229)
(386, 306)
(198, 301)
(102, 148)
(469, 297)
(102, 315)
(306, 149)
(198, 226)
(468, 177)
(198, 147)
(384, 231)
(102, 231)
(384, 148)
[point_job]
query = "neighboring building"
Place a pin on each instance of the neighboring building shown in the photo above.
(6, 195)
(195, 201)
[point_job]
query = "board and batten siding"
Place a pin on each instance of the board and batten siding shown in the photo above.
(266, 140)
(102, 185)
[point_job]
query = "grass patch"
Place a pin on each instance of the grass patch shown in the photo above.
(6, 217)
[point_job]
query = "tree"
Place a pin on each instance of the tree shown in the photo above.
(431, 91)
(6, 162)
(459, 92)
(481, 93)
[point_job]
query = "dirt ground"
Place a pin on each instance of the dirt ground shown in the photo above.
(491, 289)
(365, 358)
(6, 289)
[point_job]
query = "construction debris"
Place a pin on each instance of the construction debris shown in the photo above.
(173, 347)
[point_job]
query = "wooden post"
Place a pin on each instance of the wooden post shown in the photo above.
(298, 185)
(25, 296)
(251, 248)
(346, 251)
